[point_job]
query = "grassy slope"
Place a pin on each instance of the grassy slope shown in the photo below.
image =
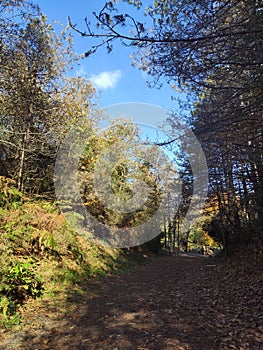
(41, 256)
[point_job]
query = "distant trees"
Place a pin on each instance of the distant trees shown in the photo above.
(123, 183)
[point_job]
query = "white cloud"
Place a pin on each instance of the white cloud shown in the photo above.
(107, 80)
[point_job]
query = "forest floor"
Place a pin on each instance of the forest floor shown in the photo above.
(174, 302)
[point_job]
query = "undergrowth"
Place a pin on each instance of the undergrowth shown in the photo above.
(42, 257)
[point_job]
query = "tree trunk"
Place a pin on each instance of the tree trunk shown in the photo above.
(21, 172)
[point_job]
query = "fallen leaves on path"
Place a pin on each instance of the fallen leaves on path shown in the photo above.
(174, 302)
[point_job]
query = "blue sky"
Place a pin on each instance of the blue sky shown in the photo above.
(112, 74)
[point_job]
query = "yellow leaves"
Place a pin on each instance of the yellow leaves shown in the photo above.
(44, 17)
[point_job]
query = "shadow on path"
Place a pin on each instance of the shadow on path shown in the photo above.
(174, 302)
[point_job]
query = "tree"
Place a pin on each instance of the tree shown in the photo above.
(185, 41)
(121, 175)
(214, 50)
(39, 103)
(234, 157)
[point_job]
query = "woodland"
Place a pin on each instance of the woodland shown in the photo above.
(210, 50)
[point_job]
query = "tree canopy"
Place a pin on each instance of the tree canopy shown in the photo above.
(212, 50)
(39, 102)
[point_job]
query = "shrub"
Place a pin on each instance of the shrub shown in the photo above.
(18, 284)
(10, 197)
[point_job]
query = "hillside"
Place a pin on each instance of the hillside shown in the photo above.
(42, 258)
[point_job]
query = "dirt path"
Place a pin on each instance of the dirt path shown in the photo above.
(174, 302)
